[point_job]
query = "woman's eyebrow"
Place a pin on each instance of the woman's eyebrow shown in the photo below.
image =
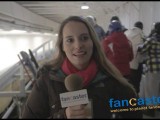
(84, 34)
(67, 36)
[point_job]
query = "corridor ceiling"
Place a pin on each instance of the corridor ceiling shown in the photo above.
(58, 11)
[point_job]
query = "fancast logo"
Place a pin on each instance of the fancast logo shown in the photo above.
(134, 104)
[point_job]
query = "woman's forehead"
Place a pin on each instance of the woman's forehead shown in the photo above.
(75, 26)
(73, 23)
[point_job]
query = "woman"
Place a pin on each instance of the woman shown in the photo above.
(78, 52)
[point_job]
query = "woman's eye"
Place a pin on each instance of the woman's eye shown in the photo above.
(69, 40)
(85, 38)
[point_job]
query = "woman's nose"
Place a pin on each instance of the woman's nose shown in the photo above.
(77, 44)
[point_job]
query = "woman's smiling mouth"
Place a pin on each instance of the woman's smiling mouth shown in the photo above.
(80, 54)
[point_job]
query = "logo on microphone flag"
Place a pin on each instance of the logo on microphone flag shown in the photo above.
(74, 98)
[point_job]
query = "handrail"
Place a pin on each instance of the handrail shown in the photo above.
(6, 77)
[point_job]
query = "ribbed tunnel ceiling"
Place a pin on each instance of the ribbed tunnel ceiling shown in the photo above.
(58, 11)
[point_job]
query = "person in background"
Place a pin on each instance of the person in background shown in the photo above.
(150, 86)
(118, 48)
(99, 30)
(116, 18)
(152, 31)
(79, 52)
(136, 36)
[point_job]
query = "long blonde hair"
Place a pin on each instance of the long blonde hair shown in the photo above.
(98, 53)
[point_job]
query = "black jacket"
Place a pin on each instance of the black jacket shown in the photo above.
(44, 100)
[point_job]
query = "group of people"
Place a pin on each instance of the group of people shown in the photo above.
(146, 52)
(104, 67)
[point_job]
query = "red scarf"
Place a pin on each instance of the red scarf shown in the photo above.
(88, 74)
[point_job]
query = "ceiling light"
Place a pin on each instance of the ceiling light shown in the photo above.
(84, 7)
(17, 31)
(13, 32)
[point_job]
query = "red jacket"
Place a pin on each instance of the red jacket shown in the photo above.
(119, 51)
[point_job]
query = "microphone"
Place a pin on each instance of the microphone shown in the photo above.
(73, 82)
(76, 95)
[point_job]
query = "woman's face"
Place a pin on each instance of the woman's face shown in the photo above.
(77, 44)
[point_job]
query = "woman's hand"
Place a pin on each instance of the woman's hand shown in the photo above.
(79, 111)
